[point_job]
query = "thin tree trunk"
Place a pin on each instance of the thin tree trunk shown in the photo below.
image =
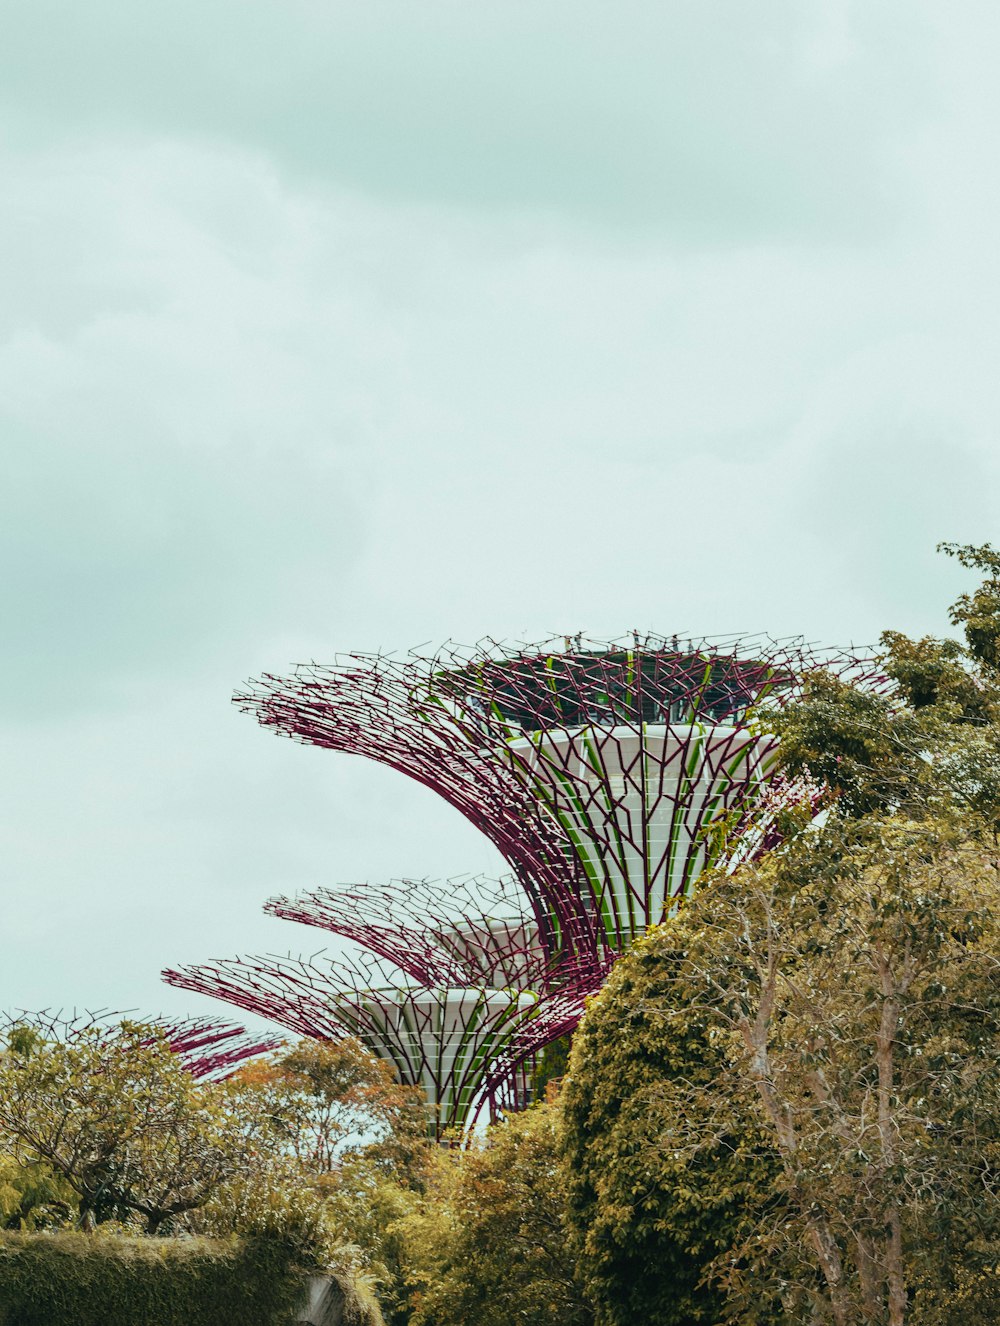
(823, 1241)
(885, 1044)
(871, 1299)
(895, 1276)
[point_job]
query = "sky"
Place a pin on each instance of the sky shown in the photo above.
(331, 326)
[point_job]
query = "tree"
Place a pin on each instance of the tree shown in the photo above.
(106, 1125)
(123, 1124)
(488, 1242)
(852, 986)
(762, 1018)
(350, 1150)
(329, 1100)
(645, 1219)
(929, 743)
(978, 613)
(371, 1209)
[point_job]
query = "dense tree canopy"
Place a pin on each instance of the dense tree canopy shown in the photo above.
(646, 1219)
(108, 1126)
(793, 1091)
(123, 1124)
(785, 1100)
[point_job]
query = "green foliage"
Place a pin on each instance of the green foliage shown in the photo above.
(932, 673)
(111, 1128)
(794, 1088)
(961, 1290)
(487, 1245)
(80, 1280)
(331, 1099)
(646, 1219)
(932, 745)
(361, 1306)
(355, 1148)
(123, 1125)
(860, 1165)
(552, 1066)
(978, 613)
(107, 1131)
(33, 1197)
(370, 1209)
(274, 1203)
(856, 744)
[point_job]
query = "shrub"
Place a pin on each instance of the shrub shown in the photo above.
(488, 1245)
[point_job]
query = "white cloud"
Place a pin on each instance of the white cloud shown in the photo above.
(255, 412)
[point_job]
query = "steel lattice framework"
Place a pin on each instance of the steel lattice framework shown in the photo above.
(460, 1045)
(598, 770)
(466, 932)
(208, 1050)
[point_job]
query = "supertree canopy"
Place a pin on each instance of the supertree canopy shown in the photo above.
(455, 990)
(465, 932)
(599, 771)
(460, 1045)
(207, 1049)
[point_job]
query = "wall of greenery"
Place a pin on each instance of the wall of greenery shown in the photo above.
(70, 1279)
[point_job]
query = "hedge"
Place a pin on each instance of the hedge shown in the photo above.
(94, 1280)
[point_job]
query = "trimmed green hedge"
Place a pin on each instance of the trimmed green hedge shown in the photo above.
(92, 1280)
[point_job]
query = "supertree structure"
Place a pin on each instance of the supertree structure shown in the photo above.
(207, 1049)
(608, 775)
(460, 1045)
(455, 990)
(600, 771)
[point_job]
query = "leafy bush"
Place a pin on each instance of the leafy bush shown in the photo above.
(370, 1211)
(32, 1196)
(790, 1092)
(488, 1244)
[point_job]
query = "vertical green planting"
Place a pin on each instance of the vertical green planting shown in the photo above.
(87, 1280)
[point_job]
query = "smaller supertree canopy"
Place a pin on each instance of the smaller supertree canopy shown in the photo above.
(207, 1049)
(468, 931)
(459, 1045)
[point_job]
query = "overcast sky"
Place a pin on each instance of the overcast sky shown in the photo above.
(336, 325)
